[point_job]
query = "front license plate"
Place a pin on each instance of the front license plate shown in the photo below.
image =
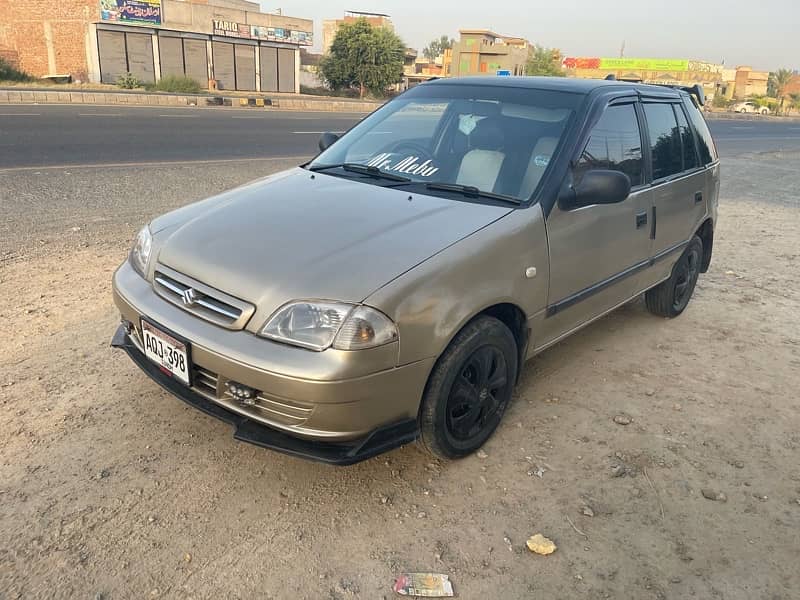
(169, 353)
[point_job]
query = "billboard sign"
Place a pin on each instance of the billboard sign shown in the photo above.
(131, 11)
(258, 32)
(627, 64)
(231, 29)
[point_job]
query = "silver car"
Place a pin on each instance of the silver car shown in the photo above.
(393, 288)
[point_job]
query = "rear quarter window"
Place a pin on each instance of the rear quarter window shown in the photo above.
(705, 143)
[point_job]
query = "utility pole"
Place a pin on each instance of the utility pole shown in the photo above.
(622, 50)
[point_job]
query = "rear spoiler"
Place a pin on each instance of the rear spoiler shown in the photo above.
(696, 91)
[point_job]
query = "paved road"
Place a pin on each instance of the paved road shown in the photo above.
(37, 136)
(736, 137)
(42, 135)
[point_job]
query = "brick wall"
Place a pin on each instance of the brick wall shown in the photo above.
(793, 87)
(46, 37)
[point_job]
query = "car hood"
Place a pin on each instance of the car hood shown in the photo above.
(304, 236)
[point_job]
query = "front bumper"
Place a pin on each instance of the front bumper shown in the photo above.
(333, 406)
(376, 442)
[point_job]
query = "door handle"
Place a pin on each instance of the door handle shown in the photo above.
(698, 197)
(641, 219)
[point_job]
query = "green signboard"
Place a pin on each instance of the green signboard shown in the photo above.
(644, 64)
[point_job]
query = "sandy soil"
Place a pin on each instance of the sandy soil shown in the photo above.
(110, 488)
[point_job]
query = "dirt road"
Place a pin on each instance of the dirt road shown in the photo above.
(110, 488)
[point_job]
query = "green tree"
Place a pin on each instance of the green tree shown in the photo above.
(777, 83)
(363, 57)
(544, 61)
(437, 47)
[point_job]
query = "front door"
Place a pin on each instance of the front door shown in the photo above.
(598, 252)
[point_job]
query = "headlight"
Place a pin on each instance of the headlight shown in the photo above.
(318, 325)
(140, 253)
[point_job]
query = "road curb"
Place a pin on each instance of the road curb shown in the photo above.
(732, 116)
(136, 99)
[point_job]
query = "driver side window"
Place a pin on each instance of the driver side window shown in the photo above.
(411, 125)
(615, 144)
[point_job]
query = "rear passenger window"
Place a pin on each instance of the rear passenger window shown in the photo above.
(615, 143)
(687, 140)
(665, 141)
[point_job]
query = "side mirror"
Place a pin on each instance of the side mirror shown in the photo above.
(327, 140)
(596, 187)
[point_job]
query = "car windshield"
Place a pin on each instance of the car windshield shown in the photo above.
(479, 142)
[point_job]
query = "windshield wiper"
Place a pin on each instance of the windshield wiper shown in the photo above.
(470, 191)
(370, 171)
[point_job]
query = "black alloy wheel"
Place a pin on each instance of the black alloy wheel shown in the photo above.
(469, 389)
(477, 393)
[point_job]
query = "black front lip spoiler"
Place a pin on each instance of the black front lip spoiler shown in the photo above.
(377, 442)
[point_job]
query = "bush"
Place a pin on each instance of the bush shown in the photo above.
(9, 73)
(176, 83)
(323, 91)
(129, 81)
(720, 101)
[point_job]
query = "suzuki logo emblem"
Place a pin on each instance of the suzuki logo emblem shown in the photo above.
(189, 297)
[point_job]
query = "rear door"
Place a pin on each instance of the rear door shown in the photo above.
(678, 183)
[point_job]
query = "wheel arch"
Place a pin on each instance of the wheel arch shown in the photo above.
(706, 234)
(512, 316)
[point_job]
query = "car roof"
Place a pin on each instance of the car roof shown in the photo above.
(558, 84)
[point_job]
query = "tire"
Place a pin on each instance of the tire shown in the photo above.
(469, 389)
(671, 297)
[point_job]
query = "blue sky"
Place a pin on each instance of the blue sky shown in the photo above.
(763, 34)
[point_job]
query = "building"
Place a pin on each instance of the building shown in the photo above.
(747, 83)
(227, 44)
(417, 69)
(330, 27)
(483, 52)
(793, 87)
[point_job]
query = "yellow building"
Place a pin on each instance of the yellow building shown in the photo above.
(330, 27)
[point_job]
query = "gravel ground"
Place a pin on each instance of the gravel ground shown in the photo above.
(662, 457)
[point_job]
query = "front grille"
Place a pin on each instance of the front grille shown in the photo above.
(266, 408)
(201, 300)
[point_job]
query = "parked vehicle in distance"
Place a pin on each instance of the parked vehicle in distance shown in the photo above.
(749, 107)
(392, 288)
